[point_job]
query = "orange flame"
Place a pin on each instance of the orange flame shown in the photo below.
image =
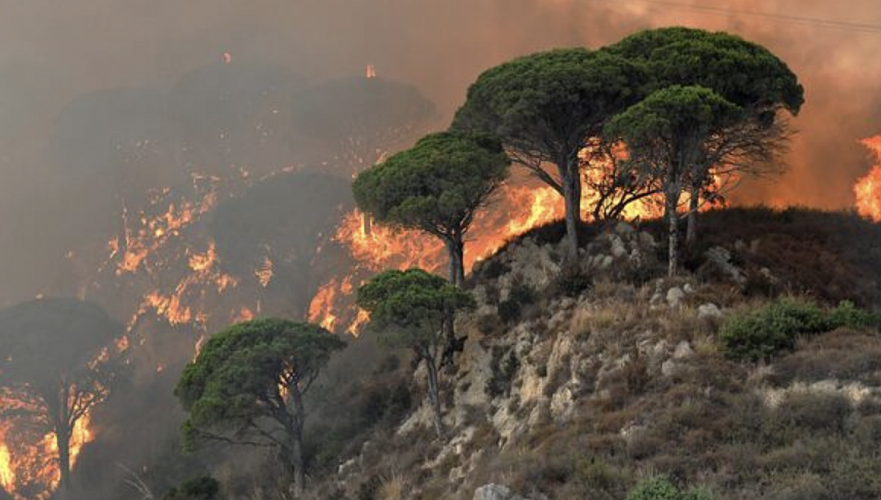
(28, 459)
(868, 188)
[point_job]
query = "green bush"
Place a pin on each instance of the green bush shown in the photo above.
(847, 315)
(660, 488)
(775, 328)
(760, 334)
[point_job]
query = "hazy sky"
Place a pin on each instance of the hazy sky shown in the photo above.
(51, 51)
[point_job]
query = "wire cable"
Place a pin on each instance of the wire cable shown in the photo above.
(726, 11)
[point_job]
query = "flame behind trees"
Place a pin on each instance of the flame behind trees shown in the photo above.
(59, 362)
(868, 189)
(546, 108)
(436, 187)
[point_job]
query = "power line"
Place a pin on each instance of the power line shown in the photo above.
(725, 11)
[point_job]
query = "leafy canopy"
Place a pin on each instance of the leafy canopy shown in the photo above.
(242, 373)
(409, 308)
(47, 340)
(550, 103)
(742, 72)
(437, 185)
(671, 117)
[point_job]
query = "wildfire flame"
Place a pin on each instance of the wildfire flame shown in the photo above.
(28, 458)
(868, 188)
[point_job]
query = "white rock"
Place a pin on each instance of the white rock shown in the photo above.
(674, 297)
(683, 350)
(709, 311)
(496, 492)
(668, 368)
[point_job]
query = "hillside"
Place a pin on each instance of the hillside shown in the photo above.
(582, 384)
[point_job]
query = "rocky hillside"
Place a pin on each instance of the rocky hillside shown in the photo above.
(744, 378)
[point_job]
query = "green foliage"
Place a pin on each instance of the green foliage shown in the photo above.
(202, 488)
(437, 185)
(548, 104)
(699, 493)
(236, 379)
(409, 308)
(672, 115)
(761, 334)
(847, 315)
(744, 73)
(660, 488)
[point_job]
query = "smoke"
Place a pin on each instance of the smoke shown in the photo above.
(52, 53)
(84, 88)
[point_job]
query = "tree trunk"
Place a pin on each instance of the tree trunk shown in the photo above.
(456, 250)
(572, 197)
(693, 206)
(434, 397)
(673, 240)
(296, 442)
(62, 440)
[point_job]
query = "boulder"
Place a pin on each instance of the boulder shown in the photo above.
(674, 297)
(496, 492)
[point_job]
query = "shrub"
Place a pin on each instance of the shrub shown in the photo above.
(521, 295)
(659, 488)
(572, 282)
(504, 369)
(202, 488)
(847, 315)
(699, 493)
(760, 334)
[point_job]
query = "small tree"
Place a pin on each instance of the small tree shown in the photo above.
(547, 107)
(410, 309)
(665, 135)
(247, 386)
(436, 187)
(58, 361)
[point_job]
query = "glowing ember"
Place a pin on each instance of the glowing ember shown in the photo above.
(868, 188)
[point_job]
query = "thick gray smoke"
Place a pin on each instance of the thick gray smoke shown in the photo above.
(52, 53)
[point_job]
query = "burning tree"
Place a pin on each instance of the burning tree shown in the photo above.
(436, 187)
(59, 359)
(247, 386)
(279, 231)
(547, 107)
(360, 119)
(412, 309)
